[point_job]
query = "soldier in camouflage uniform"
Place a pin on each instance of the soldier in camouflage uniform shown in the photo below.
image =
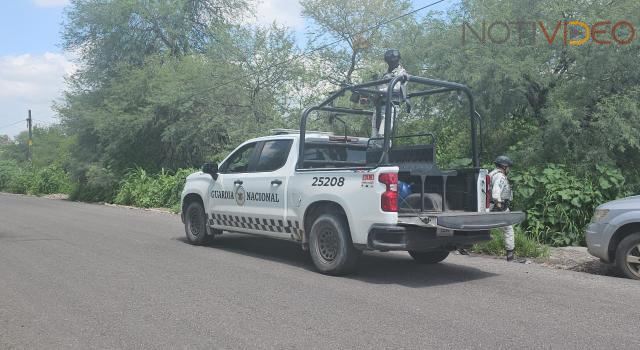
(501, 197)
(392, 57)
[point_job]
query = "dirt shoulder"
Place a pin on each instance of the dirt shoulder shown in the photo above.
(567, 258)
(578, 259)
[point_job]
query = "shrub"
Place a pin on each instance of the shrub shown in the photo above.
(97, 184)
(152, 191)
(8, 171)
(559, 204)
(20, 181)
(525, 245)
(51, 179)
(29, 180)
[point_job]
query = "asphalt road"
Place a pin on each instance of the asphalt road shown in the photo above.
(83, 276)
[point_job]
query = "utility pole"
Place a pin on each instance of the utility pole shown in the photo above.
(29, 154)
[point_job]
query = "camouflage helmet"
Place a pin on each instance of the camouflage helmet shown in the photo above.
(503, 161)
(392, 55)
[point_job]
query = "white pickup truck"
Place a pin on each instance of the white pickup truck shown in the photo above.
(333, 195)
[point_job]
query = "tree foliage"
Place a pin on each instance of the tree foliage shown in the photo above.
(170, 83)
(559, 204)
(541, 102)
(350, 22)
(52, 145)
(107, 34)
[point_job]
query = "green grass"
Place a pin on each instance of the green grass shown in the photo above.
(161, 190)
(27, 179)
(526, 247)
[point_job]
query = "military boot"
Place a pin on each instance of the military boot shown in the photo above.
(509, 255)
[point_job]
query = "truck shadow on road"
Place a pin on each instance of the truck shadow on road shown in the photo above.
(374, 267)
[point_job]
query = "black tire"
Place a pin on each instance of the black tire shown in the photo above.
(428, 257)
(195, 224)
(628, 256)
(330, 245)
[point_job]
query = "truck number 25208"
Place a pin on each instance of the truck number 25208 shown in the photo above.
(328, 181)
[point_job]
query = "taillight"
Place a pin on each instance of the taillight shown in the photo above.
(487, 191)
(389, 199)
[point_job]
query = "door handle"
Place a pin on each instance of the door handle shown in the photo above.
(276, 182)
(237, 182)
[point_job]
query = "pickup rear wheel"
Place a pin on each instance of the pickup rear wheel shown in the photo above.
(195, 224)
(628, 256)
(330, 245)
(428, 257)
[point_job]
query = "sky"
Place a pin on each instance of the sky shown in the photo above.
(33, 65)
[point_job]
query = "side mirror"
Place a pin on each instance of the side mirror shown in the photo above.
(211, 169)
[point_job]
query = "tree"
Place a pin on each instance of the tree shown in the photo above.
(51, 145)
(177, 108)
(541, 102)
(350, 22)
(266, 57)
(5, 140)
(109, 33)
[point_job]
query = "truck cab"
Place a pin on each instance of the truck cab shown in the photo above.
(339, 195)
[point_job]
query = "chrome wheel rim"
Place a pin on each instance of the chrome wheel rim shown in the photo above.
(328, 244)
(633, 260)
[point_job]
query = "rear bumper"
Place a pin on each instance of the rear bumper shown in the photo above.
(439, 231)
(396, 237)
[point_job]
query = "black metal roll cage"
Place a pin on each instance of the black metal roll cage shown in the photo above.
(441, 87)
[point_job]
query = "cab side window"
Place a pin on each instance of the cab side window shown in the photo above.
(274, 155)
(239, 161)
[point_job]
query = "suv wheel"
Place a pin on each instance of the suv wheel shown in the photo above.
(330, 245)
(628, 256)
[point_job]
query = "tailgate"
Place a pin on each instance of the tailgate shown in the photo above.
(464, 221)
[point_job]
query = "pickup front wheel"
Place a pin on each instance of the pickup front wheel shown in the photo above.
(330, 245)
(428, 257)
(195, 224)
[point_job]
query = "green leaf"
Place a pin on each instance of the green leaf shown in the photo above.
(604, 183)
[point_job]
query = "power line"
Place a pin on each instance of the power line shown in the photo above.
(315, 49)
(12, 124)
(381, 24)
(45, 122)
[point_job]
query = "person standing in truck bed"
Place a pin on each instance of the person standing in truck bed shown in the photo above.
(394, 69)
